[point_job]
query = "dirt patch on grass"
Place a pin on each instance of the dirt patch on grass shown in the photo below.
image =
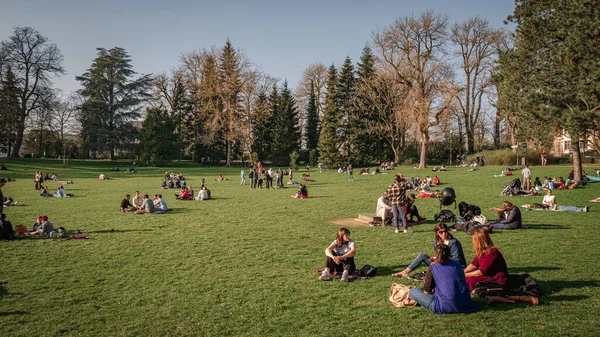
(350, 222)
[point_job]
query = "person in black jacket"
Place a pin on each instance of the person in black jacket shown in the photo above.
(6, 229)
(512, 218)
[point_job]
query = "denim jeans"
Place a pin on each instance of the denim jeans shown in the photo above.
(427, 301)
(399, 212)
(569, 209)
(421, 258)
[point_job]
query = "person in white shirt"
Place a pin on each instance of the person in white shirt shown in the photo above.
(340, 256)
(137, 200)
(526, 172)
(384, 210)
(159, 203)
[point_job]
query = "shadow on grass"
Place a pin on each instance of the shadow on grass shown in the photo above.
(117, 231)
(548, 226)
(320, 196)
(558, 285)
(389, 270)
(527, 270)
(11, 313)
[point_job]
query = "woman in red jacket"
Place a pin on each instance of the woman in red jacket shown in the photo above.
(488, 263)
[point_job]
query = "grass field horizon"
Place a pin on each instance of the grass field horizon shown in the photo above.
(244, 263)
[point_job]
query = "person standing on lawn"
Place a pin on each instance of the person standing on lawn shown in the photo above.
(397, 194)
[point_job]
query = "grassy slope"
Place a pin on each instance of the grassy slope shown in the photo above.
(243, 263)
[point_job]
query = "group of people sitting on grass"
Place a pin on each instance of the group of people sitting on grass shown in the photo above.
(387, 165)
(143, 205)
(449, 280)
(187, 193)
(440, 168)
(172, 180)
(60, 192)
(40, 178)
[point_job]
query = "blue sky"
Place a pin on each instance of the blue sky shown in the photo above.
(282, 37)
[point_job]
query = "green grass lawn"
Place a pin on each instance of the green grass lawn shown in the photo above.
(244, 263)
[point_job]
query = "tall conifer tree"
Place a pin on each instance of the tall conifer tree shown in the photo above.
(286, 134)
(312, 121)
(328, 139)
(346, 91)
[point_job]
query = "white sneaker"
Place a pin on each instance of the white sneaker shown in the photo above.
(408, 231)
(397, 230)
(325, 276)
(344, 276)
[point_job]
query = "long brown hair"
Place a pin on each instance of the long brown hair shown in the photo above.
(481, 242)
(339, 239)
(442, 253)
(441, 226)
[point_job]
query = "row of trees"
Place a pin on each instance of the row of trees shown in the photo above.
(420, 79)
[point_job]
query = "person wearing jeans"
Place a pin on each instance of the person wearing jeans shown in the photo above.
(397, 195)
(447, 278)
(441, 237)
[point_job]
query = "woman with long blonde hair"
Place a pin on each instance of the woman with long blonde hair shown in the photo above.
(488, 263)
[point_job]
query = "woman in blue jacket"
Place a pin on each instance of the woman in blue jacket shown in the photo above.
(441, 237)
(445, 290)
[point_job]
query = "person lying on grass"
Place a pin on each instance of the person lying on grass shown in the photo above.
(549, 204)
(126, 206)
(147, 206)
(9, 202)
(442, 237)
(412, 210)
(445, 290)
(595, 200)
(340, 256)
(302, 192)
(103, 177)
(488, 263)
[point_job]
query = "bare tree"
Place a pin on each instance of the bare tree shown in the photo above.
(475, 40)
(34, 60)
(391, 102)
(316, 74)
(63, 120)
(413, 47)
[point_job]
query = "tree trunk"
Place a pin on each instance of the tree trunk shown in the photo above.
(497, 131)
(228, 162)
(513, 139)
(576, 158)
(470, 140)
(19, 141)
(423, 161)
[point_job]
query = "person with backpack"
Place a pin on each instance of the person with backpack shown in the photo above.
(340, 256)
(488, 263)
(445, 290)
(442, 237)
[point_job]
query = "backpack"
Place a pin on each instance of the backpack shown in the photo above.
(445, 216)
(367, 270)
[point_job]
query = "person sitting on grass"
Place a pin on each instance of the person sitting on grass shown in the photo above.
(126, 206)
(203, 194)
(159, 203)
(184, 195)
(220, 178)
(436, 181)
(340, 256)
(412, 210)
(9, 202)
(46, 192)
(138, 200)
(384, 210)
(6, 229)
(442, 237)
(103, 177)
(53, 177)
(302, 192)
(45, 227)
(445, 290)
(508, 217)
(488, 263)
(60, 193)
(147, 206)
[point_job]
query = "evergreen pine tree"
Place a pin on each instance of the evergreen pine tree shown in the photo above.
(346, 91)
(328, 139)
(312, 121)
(9, 111)
(261, 128)
(369, 147)
(286, 134)
(158, 138)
